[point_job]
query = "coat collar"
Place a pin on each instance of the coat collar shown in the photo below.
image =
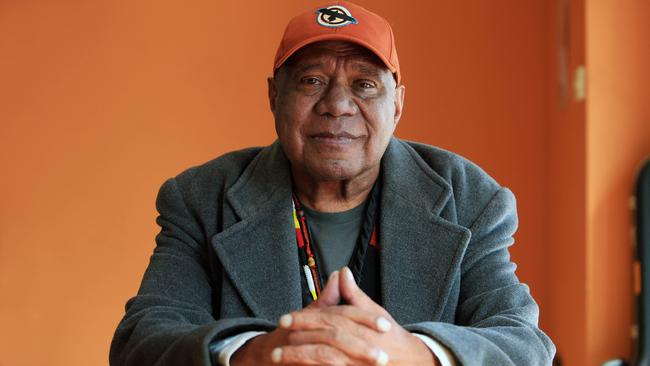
(420, 251)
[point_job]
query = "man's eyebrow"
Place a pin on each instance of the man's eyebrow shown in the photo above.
(368, 68)
(301, 68)
(364, 68)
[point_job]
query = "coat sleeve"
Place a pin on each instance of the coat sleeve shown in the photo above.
(496, 318)
(171, 320)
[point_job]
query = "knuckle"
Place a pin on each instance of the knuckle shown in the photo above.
(348, 311)
(324, 354)
(335, 310)
(294, 338)
(337, 336)
(296, 354)
(364, 333)
(331, 320)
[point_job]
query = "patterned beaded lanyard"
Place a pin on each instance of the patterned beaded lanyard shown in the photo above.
(306, 246)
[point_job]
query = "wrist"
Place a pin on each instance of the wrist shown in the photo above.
(247, 354)
(441, 355)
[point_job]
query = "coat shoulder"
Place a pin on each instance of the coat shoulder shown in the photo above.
(203, 187)
(471, 186)
(217, 174)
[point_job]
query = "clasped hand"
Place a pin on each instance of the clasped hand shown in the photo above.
(326, 333)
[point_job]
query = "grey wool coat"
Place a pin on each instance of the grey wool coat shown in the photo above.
(226, 260)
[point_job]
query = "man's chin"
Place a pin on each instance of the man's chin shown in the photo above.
(335, 170)
(327, 170)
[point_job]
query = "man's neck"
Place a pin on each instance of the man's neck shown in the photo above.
(334, 196)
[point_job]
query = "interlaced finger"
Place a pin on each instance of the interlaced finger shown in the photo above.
(354, 346)
(309, 354)
(379, 322)
(334, 316)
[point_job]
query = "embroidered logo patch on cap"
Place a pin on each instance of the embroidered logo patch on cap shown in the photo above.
(335, 16)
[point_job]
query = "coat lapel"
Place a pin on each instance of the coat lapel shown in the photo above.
(259, 253)
(420, 252)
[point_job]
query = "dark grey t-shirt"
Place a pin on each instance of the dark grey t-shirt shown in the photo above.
(335, 235)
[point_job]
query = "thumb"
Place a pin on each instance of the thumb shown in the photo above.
(351, 292)
(330, 295)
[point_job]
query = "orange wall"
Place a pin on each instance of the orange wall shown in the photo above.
(566, 180)
(102, 101)
(618, 139)
(594, 149)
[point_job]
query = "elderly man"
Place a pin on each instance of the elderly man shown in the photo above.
(337, 244)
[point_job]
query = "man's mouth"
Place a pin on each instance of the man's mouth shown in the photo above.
(334, 138)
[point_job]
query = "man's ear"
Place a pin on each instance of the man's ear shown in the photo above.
(399, 102)
(272, 91)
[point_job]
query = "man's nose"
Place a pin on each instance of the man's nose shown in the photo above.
(337, 101)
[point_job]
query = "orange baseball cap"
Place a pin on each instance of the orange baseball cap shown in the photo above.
(340, 20)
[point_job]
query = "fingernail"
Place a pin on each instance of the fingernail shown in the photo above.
(285, 321)
(383, 325)
(332, 275)
(348, 276)
(382, 358)
(276, 355)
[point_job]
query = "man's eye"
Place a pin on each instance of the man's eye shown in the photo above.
(366, 84)
(310, 80)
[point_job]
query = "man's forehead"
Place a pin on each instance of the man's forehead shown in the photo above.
(320, 53)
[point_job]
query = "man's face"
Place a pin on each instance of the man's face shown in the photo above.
(335, 107)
